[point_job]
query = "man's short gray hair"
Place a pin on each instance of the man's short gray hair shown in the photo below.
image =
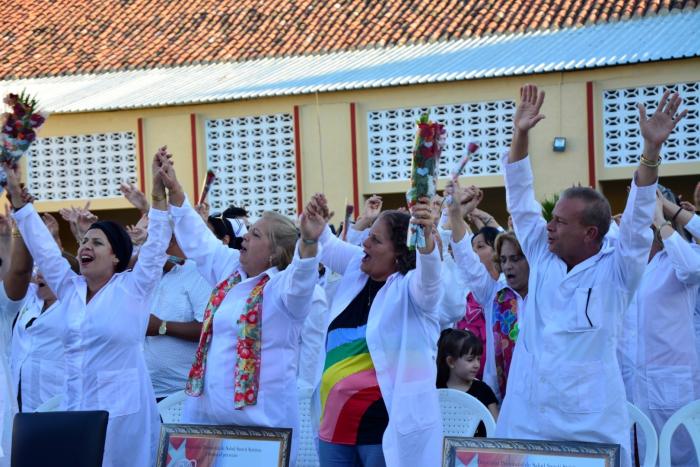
(597, 210)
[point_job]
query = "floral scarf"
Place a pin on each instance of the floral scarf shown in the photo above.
(505, 333)
(247, 369)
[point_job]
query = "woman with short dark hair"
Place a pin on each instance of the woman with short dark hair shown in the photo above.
(106, 310)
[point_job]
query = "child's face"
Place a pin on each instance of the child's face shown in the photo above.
(466, 367)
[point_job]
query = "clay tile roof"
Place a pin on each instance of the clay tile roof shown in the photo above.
(56, 37)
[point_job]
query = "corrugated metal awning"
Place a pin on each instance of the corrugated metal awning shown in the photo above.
(664, 37)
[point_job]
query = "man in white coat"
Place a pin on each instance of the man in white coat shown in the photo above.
(564, 382)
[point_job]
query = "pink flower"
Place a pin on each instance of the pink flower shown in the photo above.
(472, 148)
(250, 395)
(252, 317)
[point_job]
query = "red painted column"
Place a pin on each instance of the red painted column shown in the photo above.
(297, 156)
(591, 134)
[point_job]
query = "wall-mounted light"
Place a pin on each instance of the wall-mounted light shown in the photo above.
(559, 144)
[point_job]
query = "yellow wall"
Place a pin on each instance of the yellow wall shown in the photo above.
(324, 121)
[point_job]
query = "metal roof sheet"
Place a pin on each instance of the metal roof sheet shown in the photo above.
(662, 37)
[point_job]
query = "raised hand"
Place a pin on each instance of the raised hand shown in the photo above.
(14, 185)
(313, 219)
(657, 128)
(134, 196)
(527, 114)
(203, 210)
(373, 207)
(422, 215)
(84, 219)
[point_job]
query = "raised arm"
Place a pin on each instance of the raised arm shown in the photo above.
(215, 261)
(527, 115)
(635, 236)
(149, 267)
(336, 254)
(472, 272)
(19, 272)
(655, 130)
(425, 284)
(37, 237)
(526, 212)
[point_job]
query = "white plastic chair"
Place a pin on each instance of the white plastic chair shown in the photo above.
(689, 417)
(306, 455)
(461, 414)
(51, 405)
(651, 440)
(170, 408)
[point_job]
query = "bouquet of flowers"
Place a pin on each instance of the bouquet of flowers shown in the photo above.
(426, 154)
(19, 128)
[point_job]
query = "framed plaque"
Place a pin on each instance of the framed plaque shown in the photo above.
(223, 446)
(492, 452)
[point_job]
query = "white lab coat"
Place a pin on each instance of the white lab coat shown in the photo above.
(402, 333)
(565, 383)
(666, 373)
(37, 352)
(453, 304)
(484, 288)
(312, 340)
(103, 339)
(286, 303)
(8, 401)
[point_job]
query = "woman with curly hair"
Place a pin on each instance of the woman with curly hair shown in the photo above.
(378, 402)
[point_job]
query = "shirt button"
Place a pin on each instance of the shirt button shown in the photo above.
(541, 379)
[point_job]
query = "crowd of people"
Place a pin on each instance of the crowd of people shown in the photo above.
(553, 324)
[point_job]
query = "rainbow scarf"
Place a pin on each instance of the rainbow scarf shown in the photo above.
(247, 370)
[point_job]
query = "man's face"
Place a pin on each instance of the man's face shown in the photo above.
(566, 233)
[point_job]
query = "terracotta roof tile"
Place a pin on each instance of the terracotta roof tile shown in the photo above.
(56, 37)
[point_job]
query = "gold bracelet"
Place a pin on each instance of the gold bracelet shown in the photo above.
(649, 163)
(155, 197)
(16, 233)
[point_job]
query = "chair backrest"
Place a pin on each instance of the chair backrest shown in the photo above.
(461, 414)
(170, 408)
(651, 444)
(306, 454)
(61, 439)
(688, 416)
(51, 405)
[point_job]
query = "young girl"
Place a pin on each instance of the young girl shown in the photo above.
(458, 362)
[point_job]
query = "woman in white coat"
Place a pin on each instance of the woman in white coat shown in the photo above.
(106, 318)
(503, 299)
(667, 372)
(378, 400)
(245, 365)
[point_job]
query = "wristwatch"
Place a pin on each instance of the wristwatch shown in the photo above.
(163, 328)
